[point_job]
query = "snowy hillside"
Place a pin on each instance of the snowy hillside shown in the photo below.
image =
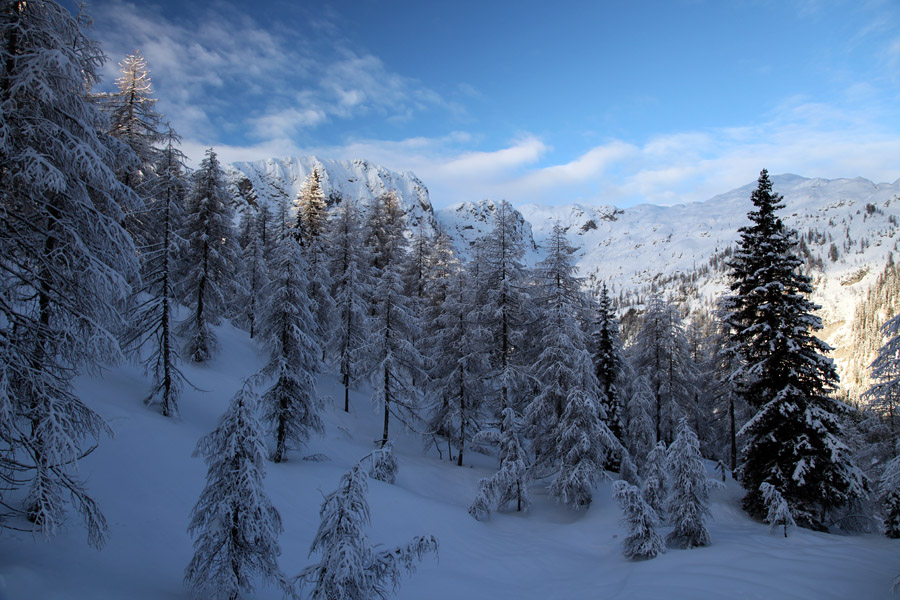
(147, 481)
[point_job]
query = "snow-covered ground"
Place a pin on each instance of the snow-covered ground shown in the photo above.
(147, 481)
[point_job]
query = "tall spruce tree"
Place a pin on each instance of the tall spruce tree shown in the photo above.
(211, 258)
(288, 330)
(609, 362)
(64, 260)
(794, 440)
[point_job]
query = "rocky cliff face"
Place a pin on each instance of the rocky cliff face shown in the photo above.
(358, 179)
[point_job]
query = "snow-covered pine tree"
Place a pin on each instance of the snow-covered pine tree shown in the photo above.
(287, 329)
(312, 209)
(567, 441)
(351, 290)
(211, 258)
(458, 362)
(609, 362)
(794, 441)
(234, 524)
(884, 394)
(655, 487)
(584, 446)
(564, 366)
(390, 358)
(643, 541)
(505, 307)
(778, 513)
(687, 506)
(350, 568)
(510, 483)
(256, 255)
(151, 326)
(64, 258)
(661, 352)
(889, 492)
(134, 120)
(640, 432)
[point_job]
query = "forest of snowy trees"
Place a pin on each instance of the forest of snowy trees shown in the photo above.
(113, 248)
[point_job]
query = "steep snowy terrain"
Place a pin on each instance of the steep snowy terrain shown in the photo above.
(146, 481)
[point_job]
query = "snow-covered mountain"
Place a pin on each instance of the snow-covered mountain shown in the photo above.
(356, 179)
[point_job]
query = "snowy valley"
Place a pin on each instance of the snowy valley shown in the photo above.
(296, 378)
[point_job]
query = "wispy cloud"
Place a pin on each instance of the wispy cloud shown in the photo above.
(225, 62)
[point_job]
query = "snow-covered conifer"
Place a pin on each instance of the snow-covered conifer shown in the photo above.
(459, 361)
(350, 567)
(510, 483)
(687, 506)
(256, 256)
(609, 362)
(655, 487)
(65, 259)
(778, 513)
(151, 327)
(312, 210)
(661, 352)
(352, 284)
(211, 257)
(640, 433)
(889, 493)
(584, 444)
(390, 358)
(287, 329)
(794, 441)
(563, 371)
(234, 524)
(133, 118)
(643, 541)
(351, 291)
(505, 306)
(884, 394)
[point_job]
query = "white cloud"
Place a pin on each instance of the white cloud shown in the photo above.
(226, 63)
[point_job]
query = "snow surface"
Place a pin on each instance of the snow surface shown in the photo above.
(147, 481)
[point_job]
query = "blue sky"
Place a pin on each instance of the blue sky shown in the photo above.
(554, 102)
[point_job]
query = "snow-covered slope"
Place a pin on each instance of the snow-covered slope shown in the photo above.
(356, 179)
(147, 481)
